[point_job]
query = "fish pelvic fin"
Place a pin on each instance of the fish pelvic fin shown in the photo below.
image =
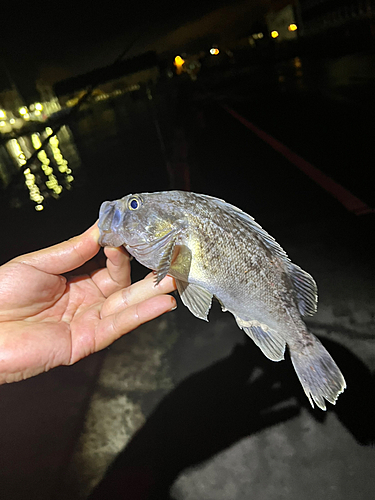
(197, 299)
(319, 375)
(270, 342)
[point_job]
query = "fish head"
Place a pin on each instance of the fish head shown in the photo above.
(139, 222)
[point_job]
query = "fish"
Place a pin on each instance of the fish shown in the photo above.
(215, 250)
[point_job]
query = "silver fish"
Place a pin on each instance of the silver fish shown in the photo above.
(213, 248)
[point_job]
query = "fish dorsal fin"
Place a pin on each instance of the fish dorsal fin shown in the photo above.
(303, 283)
(305, 289)
(195, 298)
(270, 342)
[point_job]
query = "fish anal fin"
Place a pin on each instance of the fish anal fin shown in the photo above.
(305, 289)
(197, 299)
(270, 342)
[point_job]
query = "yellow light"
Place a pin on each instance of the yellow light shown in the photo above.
(37, 112)
(36, 141)
(2, 124)
(292, 27)
(178, 61)
(26, 116)
(23, 110)
(3, 113)
(274, 34)
(38, 106)
(214, 51)
(38, 208)
(49, 131)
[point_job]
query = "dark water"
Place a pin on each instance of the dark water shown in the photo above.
(111, 149)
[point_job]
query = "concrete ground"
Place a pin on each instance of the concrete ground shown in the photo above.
(182, 409)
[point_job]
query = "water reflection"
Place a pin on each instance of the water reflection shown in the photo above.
(49, 173)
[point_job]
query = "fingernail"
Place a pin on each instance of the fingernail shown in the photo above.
(173, 308)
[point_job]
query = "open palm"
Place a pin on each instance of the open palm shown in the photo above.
(47, 320)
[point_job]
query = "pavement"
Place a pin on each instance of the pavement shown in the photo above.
(182, 409)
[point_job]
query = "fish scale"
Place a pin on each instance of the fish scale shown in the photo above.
(214, 249)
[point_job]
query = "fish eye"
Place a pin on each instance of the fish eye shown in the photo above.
(134, 204)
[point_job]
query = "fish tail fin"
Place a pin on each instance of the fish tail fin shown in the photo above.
(319, 375)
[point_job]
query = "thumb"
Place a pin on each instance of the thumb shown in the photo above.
(65, 256)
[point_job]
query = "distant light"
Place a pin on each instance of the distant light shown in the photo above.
(37, 112)
(214, 51)
(260, 35)
(292, 27)
(274, 34)
(26, 116)
(38, 208)
(178, 61)
(3, 113)
(22, 111)
(2, 124)
(257, 36)
(36, 141)
(38, 106)
(12, 120)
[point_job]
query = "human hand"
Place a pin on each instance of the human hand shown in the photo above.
(47, 320)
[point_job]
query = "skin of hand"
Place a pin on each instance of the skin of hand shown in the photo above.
(47, 320)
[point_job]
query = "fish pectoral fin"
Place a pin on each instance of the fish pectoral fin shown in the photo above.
(270, 342)
(195, 298)
(165, 261)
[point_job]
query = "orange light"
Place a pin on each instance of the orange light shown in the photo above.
(292, 27)
(214, 51)
(274, 34)
(178, 62)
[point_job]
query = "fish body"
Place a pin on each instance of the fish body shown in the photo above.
(214, 249)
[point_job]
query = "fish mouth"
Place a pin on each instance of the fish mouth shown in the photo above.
(110, 222)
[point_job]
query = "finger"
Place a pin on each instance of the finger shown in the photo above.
(65, 256)
(116, 274)
(114, 326)
(118, 265)
(137, 292)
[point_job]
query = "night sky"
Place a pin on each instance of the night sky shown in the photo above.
(42, 41)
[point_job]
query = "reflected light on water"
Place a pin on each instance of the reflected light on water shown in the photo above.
(49, 174)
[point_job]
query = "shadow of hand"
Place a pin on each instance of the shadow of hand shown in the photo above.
(205, 414)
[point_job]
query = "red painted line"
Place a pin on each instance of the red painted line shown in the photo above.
(346, 198)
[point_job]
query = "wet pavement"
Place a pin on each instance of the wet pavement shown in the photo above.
(184, 409)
